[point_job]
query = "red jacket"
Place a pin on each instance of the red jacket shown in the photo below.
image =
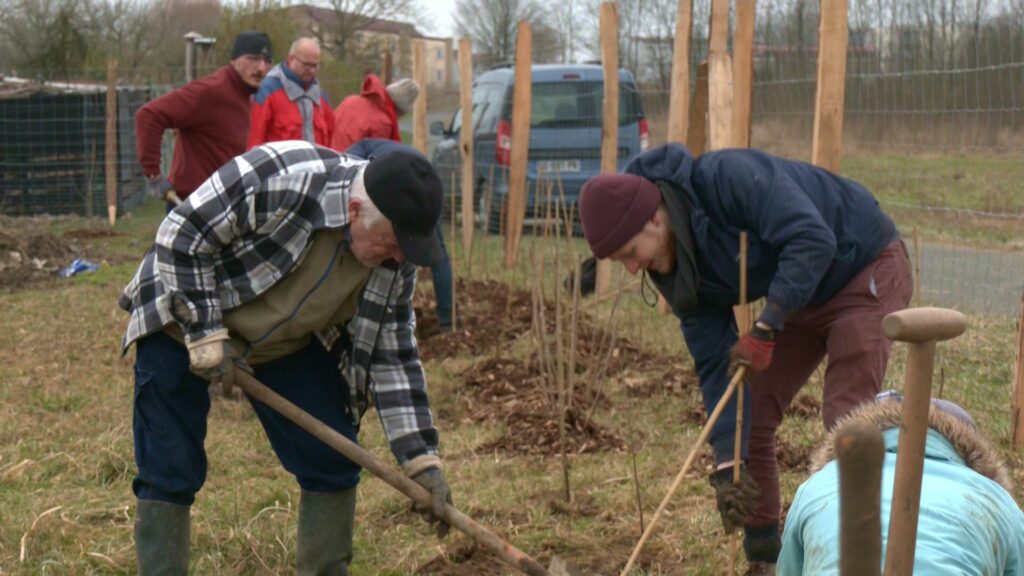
(369, 115)
(276, 115)
(211, 116)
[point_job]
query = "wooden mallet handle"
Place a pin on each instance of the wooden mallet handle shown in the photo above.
(921, 328)
(860, 449)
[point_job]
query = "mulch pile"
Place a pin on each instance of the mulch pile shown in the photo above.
(519, 393)
(31, 257)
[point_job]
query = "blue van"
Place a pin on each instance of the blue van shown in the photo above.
(565, 136)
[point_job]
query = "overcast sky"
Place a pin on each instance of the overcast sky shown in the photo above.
(441, 12)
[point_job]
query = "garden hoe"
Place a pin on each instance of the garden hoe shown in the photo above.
(480, 534)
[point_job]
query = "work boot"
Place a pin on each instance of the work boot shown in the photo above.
(325, 532)
(162, 538)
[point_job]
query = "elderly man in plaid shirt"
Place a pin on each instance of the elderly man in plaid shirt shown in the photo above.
(298, 263)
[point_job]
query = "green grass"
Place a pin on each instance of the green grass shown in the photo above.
(65, 441)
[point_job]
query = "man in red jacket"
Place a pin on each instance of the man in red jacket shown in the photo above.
(211, 116)
(373, 113)
(290, 104)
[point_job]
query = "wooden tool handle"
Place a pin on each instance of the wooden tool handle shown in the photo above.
(924, 324)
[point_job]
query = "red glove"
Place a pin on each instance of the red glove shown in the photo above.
(753, 350)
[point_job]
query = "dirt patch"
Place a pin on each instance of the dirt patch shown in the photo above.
(804, 406)
(90, 233)
(464, 557)
(489, 312)
(31, 257)
(676, 380)
(792, 457)
(507, 390)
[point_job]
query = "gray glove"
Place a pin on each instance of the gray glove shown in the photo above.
(735, 501)
(213, 359)
(158, 186)
(433, 480)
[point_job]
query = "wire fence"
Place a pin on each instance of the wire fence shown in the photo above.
(933, 126)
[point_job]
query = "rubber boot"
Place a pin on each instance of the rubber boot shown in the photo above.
(325, 532)
(162, 538)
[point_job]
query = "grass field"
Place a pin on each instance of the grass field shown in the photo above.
(66, 458)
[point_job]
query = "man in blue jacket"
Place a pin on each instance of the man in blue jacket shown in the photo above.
(827, 260)
(968, 521)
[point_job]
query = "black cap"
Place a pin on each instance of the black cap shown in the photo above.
(407, 191)
(252, 42)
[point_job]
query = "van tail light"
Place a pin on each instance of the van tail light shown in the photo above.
(645, 135)
(503, 151)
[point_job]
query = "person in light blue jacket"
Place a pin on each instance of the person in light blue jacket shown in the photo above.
(968, 524)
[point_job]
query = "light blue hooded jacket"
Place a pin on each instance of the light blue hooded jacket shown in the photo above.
(969, 524)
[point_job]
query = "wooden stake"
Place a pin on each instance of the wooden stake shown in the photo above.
(743, 323)
(697, 136)
(386, 73)
(704, 433)
(516, 209)
(466, 142)
(679, 97)
(1017, 411)
(917, 270)
(743, 72)
(419, 110)
(719, 78)
(609, 21)
(110, 166)
(828, 106)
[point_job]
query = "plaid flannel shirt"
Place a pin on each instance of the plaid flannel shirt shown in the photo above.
(243, 230)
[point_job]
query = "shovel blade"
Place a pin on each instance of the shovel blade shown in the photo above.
(561, 567)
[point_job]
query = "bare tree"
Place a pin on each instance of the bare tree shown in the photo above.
(42, 36)
(352, 16)
(129, 30)
(492, 24)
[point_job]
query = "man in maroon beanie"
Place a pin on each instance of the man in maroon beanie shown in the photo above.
(824, 256)
(210, 115)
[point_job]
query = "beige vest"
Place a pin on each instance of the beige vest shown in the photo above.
(321, 291)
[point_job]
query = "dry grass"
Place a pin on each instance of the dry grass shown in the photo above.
(66, 460)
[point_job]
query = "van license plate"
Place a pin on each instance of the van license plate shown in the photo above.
(557, 166)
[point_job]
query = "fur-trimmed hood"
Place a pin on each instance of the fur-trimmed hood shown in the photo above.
(978, 453)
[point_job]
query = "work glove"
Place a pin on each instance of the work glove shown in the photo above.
(433, 480)
(753, 350)
(735, 501)
(158, 186)
(213, 359)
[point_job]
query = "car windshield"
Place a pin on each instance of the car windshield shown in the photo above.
(578, 104)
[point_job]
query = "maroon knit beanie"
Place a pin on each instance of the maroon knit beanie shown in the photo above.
(614, 208)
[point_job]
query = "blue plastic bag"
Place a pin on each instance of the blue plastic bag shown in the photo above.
(78, 266)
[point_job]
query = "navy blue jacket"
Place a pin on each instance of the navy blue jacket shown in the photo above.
(809, 233)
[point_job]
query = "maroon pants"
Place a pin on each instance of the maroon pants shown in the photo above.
(847, 329)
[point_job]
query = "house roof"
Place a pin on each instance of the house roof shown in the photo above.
(328, 17)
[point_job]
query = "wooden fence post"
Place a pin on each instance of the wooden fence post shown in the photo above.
(609, 21)
(110, 165)
(387, 71)
(828, 104)
(743, 72)
(719, 78)
(679, 96)
(1017, 420)
(466, 142)
(697, 133)
(520, 143)
(419, 111)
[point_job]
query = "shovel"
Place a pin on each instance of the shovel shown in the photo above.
(480, 534)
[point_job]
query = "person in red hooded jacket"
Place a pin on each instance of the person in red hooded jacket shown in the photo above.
(374, 112)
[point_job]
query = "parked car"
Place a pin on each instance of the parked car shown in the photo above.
(565, 136)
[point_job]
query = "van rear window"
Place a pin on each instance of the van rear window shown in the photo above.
(578, 104)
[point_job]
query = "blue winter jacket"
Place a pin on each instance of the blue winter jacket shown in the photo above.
(968, 523)
(809, 233)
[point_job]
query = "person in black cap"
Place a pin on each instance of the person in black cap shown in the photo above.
(297, 263)
(211, 117)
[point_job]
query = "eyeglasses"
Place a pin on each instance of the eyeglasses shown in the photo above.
(310, 65)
